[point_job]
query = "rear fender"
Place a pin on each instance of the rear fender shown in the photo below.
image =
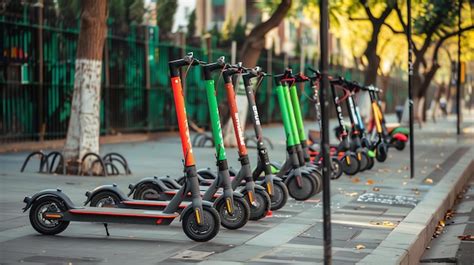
(400, 137)
(105, 188)
(154, 181)
(206, 173)
(30, 200)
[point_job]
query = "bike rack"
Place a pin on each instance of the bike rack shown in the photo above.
(201, 139)
(110, 163)
(253, 139)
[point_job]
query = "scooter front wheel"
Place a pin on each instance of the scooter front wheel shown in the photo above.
(350, 164)
(371, 163)
(207, 230)
(382, 151)
(262, 204)
(280, 195)
(238, 218)
(363, 159)
(301, 187)
(43, 225)
(336, 168)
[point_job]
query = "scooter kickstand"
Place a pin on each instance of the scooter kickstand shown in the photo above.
(106, 229)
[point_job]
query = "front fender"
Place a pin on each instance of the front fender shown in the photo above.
(105, 188)
(29, 200)
(190, 208)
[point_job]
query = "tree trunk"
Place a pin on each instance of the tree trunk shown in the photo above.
(84, 123)
(251, 49)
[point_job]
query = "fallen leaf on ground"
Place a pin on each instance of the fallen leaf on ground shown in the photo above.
(360, 246)
(404, 183)
(428, 181)
(466, 237)
(352, 194)
(356, 179)
(370, 182)
(376, 189)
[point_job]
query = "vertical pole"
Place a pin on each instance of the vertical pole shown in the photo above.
(147, 77)
(323, 28)
(458, 83)
(233, 56)
(269, 82)
(410, 90)
(40, 60)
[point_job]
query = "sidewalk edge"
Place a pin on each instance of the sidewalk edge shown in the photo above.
(408, 241)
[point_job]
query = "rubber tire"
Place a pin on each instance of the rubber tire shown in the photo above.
(318, 180)
(209, 214)
(399, 145)
(364, 162)
(241, 207)
(264, 203)
(102, 195)
(336, 164)
(280, 192)
(139, 194)
(61, 226)
(303, 193)
(371, 163)
(382, 151)
(351, 169)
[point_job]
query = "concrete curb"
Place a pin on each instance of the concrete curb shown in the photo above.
(408, 241)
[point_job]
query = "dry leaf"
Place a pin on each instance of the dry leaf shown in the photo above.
(376, 189)
(360, 246)
(404, 183)
(370, 182)
(356, 179)
(428, 181)
(466, 237)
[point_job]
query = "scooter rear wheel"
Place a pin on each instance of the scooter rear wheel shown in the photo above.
(204, 232)
(105, 199)
(350, 164)
(240, 215)
(147, 192)
(47, 226)
(280, 195)
(303, 192)
(262, 207)
(399, 145)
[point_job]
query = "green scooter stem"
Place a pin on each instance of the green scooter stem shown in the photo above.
(215, 121)
(291, 114)
(290, 138)
(297, 111)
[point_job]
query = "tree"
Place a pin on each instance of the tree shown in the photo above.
(84, 125)
(165, 10)
(251, 49)
(255, 41)
(192, 24)
(433, 26)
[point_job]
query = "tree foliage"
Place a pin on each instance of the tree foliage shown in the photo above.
(165, 10)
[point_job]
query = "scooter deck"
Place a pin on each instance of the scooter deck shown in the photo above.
(158, 205)
(117, 215)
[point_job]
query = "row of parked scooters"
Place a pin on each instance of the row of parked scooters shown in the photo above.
(204, 199)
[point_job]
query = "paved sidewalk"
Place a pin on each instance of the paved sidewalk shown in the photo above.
(365, 209)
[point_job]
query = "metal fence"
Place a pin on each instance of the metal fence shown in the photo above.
(37, 77)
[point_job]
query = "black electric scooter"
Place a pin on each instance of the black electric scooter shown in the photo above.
(232, 207)
(52, 210)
